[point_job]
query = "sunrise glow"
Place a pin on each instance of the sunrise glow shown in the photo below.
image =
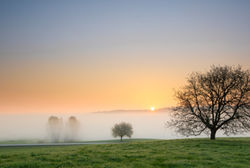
(87, 56)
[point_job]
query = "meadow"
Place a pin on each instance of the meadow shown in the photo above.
(200, 153)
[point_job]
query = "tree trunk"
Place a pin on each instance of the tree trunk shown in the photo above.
(121, 138)
(212, 135)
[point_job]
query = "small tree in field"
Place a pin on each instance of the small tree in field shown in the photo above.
(122, 129)
(212, 101)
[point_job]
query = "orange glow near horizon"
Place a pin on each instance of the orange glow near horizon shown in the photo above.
(69, 87)
(34, 88)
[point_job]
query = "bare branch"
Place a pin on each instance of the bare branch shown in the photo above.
(217, 99)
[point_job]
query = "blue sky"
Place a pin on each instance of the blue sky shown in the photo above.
(39, 26)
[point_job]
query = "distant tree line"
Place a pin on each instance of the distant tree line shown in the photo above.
(58, 131)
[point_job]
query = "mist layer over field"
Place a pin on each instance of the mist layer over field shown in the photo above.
(93, 126)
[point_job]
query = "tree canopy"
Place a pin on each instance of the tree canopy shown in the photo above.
(212, 101)
(122, 129)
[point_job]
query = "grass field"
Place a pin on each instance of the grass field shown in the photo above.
(224, 152)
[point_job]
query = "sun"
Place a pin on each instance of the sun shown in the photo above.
(152, 108)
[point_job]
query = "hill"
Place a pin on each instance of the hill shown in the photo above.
(224, 152)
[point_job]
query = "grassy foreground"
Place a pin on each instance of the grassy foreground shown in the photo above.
(224, 152)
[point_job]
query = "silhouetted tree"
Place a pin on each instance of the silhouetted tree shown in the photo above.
(212, 101)
(122, 129)
(54, 128)
(72, 127)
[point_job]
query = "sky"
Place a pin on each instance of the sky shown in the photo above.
(83, 56)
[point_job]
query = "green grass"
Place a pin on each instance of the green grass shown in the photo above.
(187, 153)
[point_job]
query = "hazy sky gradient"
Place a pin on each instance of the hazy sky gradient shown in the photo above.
(85, 56)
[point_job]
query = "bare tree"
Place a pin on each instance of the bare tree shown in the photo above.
(212, 101)
(54, 128)
(72, 128)
(122, 129)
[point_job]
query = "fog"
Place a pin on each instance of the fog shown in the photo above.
(93, 126)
